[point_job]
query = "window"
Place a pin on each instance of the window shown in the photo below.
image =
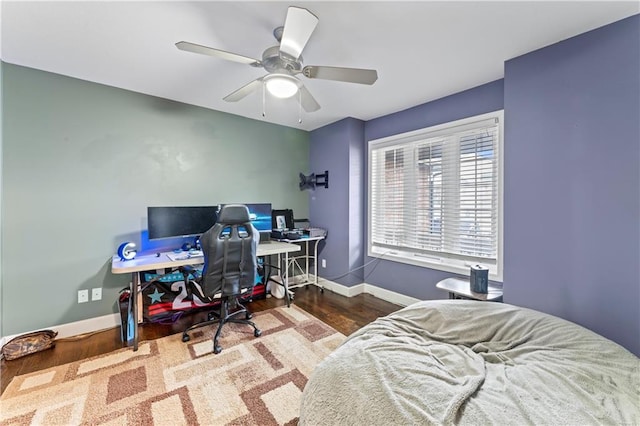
(435, 196)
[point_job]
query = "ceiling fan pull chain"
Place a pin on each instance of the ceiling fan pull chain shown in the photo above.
(299, 106)
(264, 109)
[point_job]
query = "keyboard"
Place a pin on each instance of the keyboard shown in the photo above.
(185, 255)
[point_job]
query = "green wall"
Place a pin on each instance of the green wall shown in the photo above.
(82, 161)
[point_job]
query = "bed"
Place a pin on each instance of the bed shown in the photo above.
(470, 362)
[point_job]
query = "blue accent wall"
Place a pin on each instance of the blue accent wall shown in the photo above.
(572, 183)
(478, 100)
(338, 148)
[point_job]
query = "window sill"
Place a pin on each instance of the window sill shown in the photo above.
(439, 264)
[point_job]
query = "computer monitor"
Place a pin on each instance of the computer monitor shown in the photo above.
(282, 219)
(260, 215)
(168, 222)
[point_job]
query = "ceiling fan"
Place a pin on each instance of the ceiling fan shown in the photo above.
(284, 62)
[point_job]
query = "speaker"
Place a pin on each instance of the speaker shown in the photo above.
(479, 279)
(127, 251)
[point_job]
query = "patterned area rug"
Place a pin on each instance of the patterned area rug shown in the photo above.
(253, 381)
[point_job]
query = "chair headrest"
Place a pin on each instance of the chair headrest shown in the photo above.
(233, 214)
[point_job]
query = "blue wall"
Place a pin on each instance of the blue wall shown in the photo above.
(572, 184)
(572, 160)
(340, 208)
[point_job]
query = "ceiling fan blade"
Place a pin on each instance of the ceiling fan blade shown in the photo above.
(307, 101)
(350, 75)
(298, 27)
(244, 90)
(210, 51)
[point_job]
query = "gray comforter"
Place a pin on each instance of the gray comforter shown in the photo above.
(467, 362)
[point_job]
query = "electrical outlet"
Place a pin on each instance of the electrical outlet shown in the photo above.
(83, 296)
(324, 263)
(96, 293)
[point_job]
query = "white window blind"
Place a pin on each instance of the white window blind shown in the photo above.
(434, 195)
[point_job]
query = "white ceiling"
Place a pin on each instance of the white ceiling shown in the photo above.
(421, 50)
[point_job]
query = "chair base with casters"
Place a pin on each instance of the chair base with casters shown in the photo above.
(221, 318)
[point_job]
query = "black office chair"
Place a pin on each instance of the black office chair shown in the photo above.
(230, 266)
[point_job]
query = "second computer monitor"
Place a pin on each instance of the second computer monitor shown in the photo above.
(260, 215)
(282, 219)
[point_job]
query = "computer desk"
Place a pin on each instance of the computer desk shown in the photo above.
(161, 260)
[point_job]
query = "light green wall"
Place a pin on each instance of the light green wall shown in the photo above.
(1, 139)
(82, 161)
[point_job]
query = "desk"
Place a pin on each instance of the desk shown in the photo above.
(295, 261)
(460, 288)
(153, 261)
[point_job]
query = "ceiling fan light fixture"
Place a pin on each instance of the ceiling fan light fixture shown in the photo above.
(281, 85)
(283, 63)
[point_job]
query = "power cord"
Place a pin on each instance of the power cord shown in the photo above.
(375, 260)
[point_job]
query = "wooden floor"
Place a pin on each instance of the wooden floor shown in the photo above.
(345, 314)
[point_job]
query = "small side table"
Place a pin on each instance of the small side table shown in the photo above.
(459, 288)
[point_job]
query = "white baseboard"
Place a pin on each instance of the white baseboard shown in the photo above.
(113, 320)
(76, 328)
(380, 293)
(390, 296)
